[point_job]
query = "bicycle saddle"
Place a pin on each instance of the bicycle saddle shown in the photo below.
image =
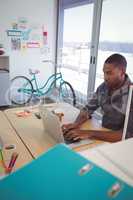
(32, 71)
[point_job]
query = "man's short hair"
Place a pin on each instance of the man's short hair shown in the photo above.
(117, 59)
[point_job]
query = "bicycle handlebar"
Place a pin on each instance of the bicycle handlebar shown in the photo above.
(33, 72)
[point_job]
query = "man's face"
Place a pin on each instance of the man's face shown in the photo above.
(113, 76)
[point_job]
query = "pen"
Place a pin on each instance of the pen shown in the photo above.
(2, 160)
(12, 162)
(1, 155)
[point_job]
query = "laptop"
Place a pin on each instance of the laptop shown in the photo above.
(127, 130)
(52, 126)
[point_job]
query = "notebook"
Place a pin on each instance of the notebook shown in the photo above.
(52, 126)
(119, 154)
(63, 174)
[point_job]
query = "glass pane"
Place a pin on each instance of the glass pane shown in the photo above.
(75, 54)
(115, 34)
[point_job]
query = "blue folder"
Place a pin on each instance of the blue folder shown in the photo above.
(62, 174)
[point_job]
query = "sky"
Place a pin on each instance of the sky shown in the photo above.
(116, 23)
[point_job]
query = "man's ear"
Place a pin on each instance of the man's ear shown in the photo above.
(123, 70)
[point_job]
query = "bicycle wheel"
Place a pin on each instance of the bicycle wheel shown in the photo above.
(67, 93)
(21, 90)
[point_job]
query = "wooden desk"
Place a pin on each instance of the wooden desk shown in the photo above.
(8, 136)
(31, 130)
(92, 124)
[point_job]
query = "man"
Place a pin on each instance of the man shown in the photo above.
(111, 96)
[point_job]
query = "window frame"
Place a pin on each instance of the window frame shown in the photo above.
(62, 5)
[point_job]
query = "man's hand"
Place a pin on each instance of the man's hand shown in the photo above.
(67, 127)
(109, 136)
(77, 134)
(82, 117)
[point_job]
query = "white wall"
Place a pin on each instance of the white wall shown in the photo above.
(37, 12)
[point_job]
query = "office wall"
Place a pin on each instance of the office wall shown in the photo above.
(28, 50)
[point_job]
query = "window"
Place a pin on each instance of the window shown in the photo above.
(83, 50)
(74, 55)
(115, 34)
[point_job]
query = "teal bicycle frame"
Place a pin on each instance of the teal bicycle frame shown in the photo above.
(30, 88)
(46, 88)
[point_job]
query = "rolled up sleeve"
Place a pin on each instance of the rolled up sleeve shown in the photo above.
(92, 104)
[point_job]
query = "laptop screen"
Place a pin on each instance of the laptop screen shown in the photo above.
(128, 124)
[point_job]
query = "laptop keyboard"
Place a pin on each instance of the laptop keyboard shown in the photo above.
(70, 141)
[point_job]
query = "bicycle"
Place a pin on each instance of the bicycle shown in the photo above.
(23, 89)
